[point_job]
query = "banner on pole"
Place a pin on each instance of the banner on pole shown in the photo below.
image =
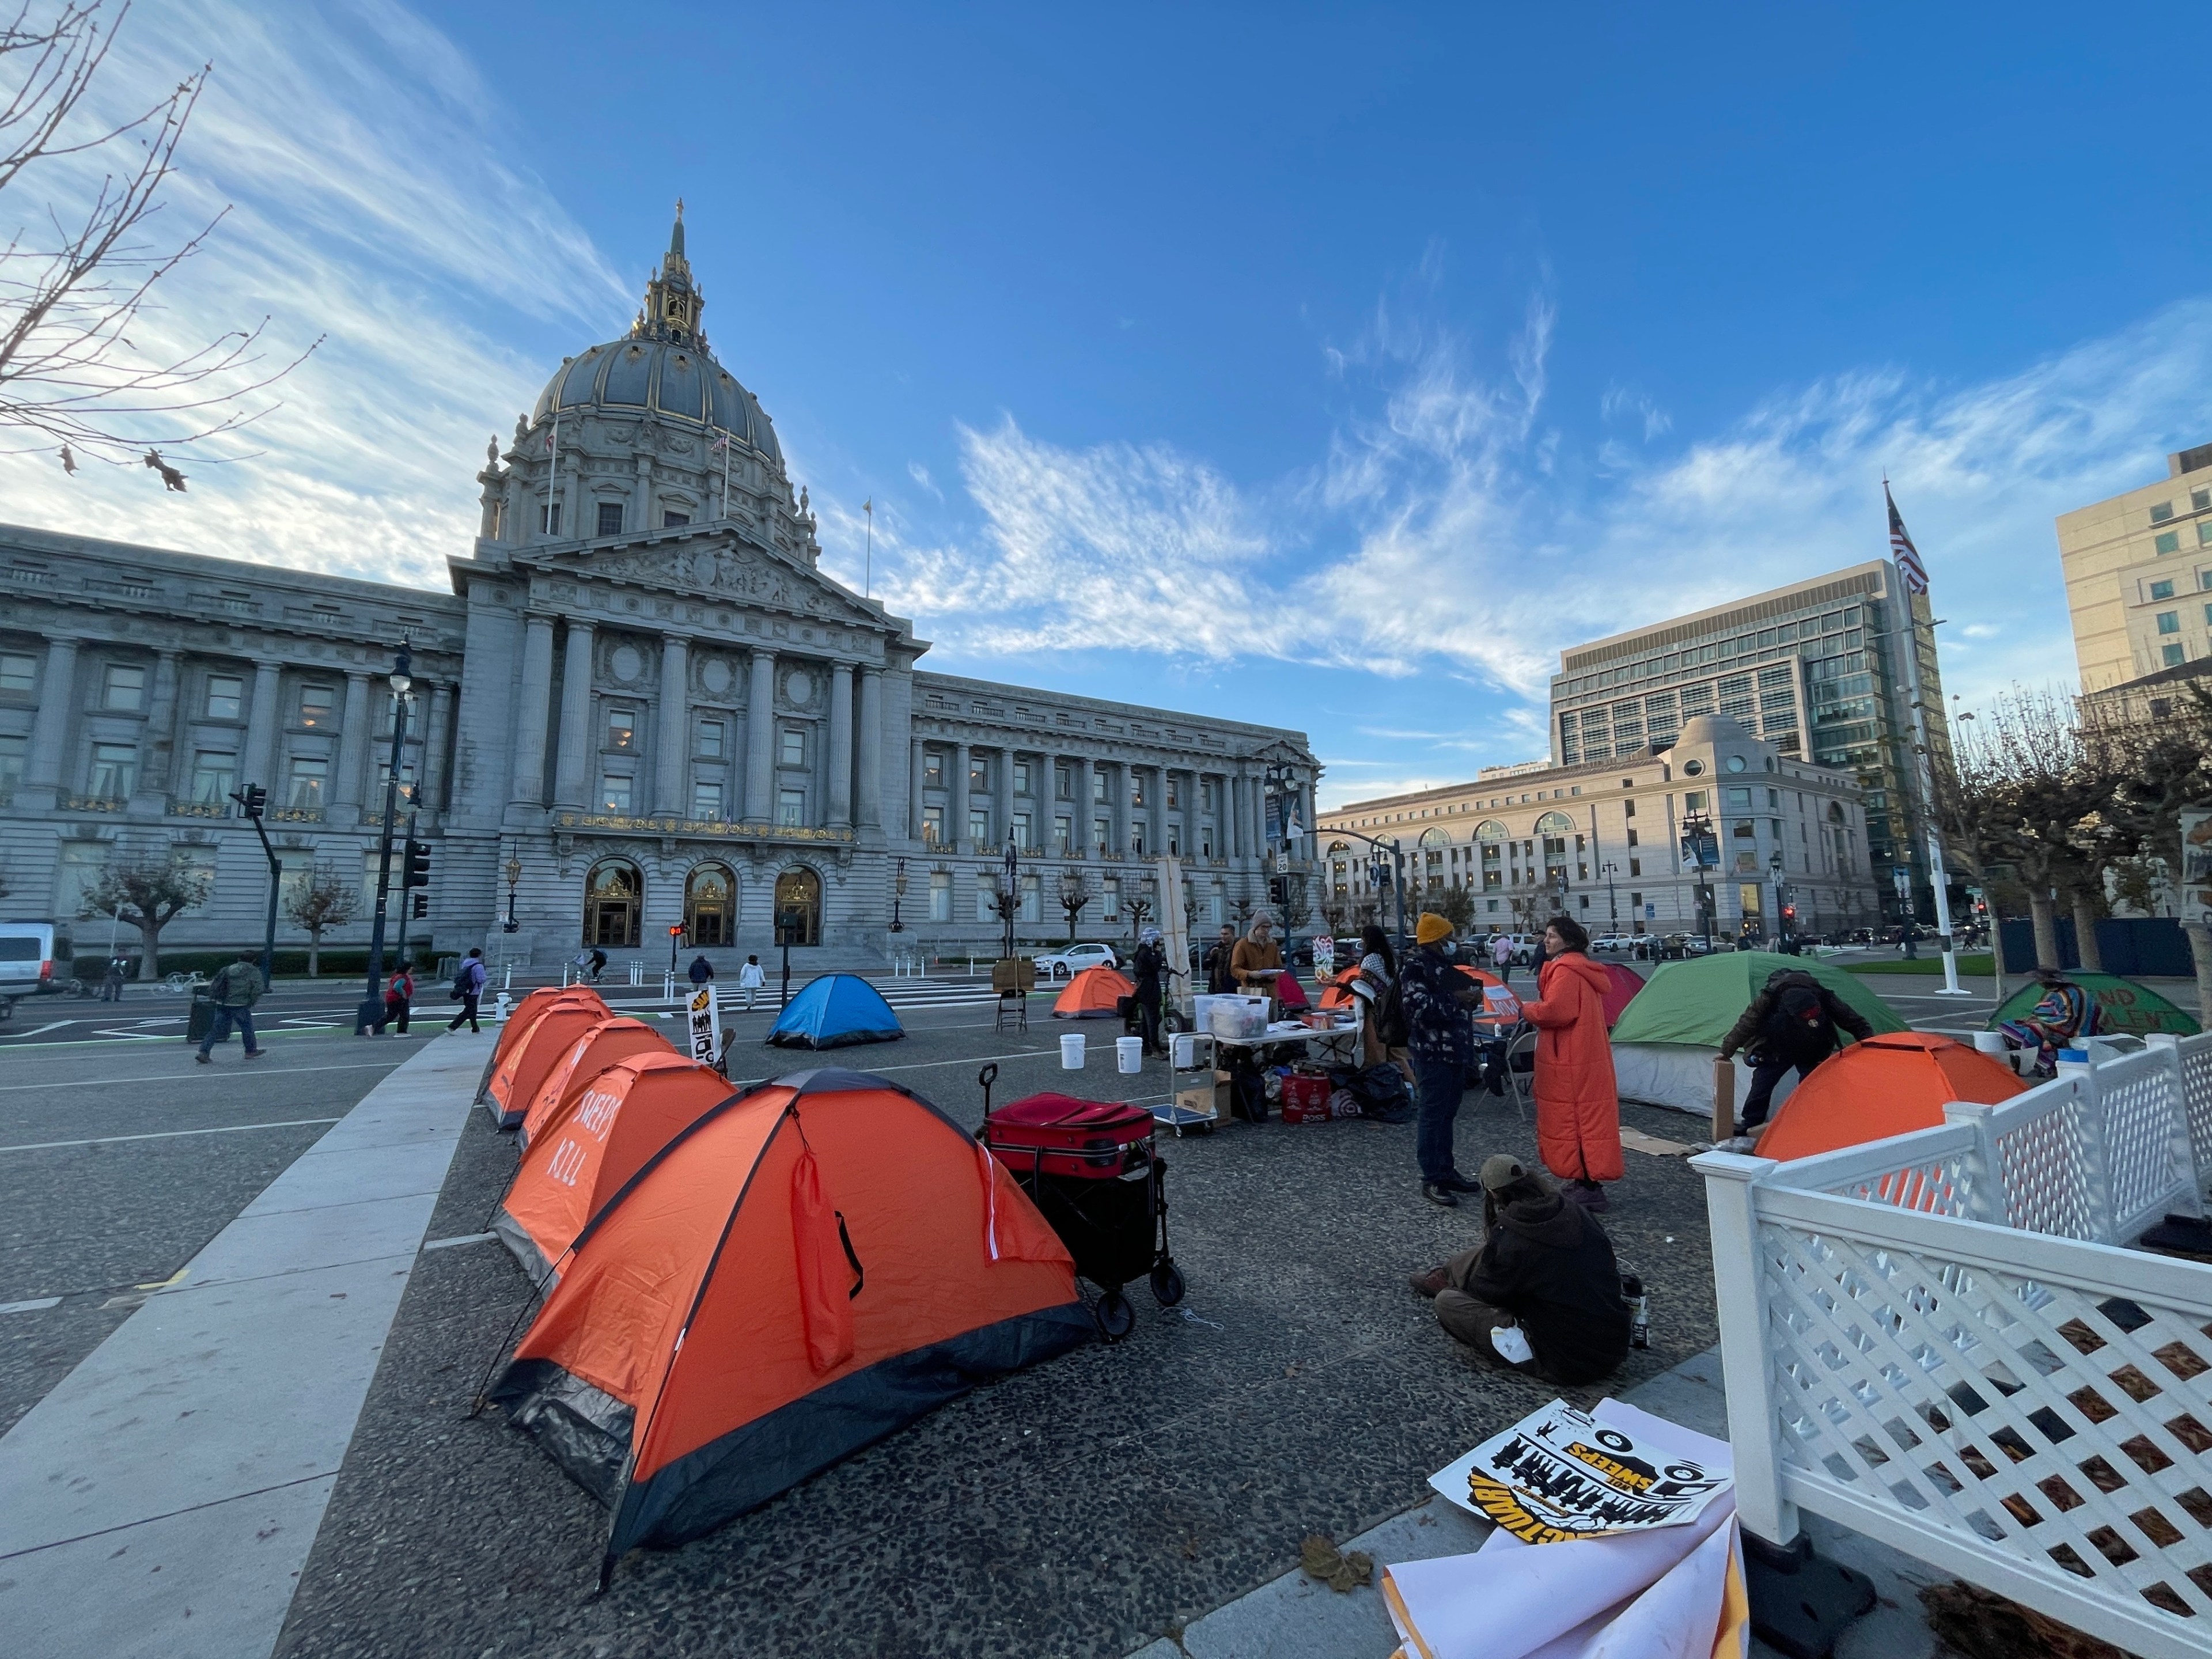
(705, 1016)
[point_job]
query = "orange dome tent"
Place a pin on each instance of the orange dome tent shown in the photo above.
(598, 1047)
(1891, 1083)
(1337, 993)
(520, 1072)
(808, 1267)
(520, 1020)
(604, 1130)
(1093, 994)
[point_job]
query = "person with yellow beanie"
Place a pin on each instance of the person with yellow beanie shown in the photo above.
(1440, 1041)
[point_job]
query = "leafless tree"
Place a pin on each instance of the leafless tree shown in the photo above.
(78, 274)
(324, 901)
(147, 892)
(1074, 897)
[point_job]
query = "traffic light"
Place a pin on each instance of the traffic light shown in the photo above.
(416, 865)
(1275, 890)
(252, 800)
(1788, 913)
(421, 907)
(675, 930)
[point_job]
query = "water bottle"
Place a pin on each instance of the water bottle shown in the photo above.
(1639, 1311)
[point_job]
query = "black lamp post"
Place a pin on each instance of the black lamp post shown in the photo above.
(372, 1006)
(898, 892)
(512, 872)
(1009, 895)
(1696, 836)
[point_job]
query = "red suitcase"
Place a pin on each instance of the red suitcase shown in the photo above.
(1060, 1135)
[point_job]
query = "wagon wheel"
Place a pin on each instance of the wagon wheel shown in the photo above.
(1114, 1317)
(1167, 1284)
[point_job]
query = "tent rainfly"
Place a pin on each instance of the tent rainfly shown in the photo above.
(833, 1010)
(1094, 993)
(521, 1071)
(2130, 1009)
(593, 1051)
(1890, 1084)
(520, 1020)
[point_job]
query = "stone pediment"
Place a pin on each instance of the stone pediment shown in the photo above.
(722, 570)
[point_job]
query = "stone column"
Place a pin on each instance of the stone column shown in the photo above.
(157, 770)
(1004, 824)
(645, 513)
(528, 789)
(760, 740)
(840, 745)
(259, 761)
(956, 832)
(673, 740)
(1155, 834)
(870, 745)
(571, 782)
(436, 743)
(353, 749)
(1087, 809)
(913, 777)
(1123, 777)
(50, 729)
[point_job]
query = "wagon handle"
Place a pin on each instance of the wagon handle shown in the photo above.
(985, 1077)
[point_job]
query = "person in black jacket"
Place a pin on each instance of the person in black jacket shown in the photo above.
(1544, 1278)
(1149, 966)
(1220, 981)
(1792, 1025)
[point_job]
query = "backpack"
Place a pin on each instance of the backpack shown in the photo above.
(1392, 1028)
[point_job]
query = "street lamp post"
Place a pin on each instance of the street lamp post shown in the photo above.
(1611, 897)
(512, 872)
(372, 1005)
(898, 892)
(1697, 832)
(1781, 904)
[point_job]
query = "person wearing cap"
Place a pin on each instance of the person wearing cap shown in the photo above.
(1542, 1293)
(1440, 1042)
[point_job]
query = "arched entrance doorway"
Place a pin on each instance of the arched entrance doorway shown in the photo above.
(799, 907)
(710, 911)
(614, 902)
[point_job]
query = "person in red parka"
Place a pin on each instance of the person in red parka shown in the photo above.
(1577, 1102)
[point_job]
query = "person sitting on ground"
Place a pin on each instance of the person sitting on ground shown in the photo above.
(2064, 1014)
(1790, 1025)
(1542, 1293)
(1257, 960)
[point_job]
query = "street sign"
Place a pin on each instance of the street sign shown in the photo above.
(2196, 906)
(706, 1023)
(1282, 864)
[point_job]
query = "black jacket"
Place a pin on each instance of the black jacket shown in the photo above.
(1751, 1024)
(1146, 966)
(1219, 981)
(1550, 1265)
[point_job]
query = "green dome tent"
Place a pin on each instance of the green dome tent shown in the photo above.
(2130, 1009)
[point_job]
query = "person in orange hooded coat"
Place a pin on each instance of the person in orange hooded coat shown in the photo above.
(1578, 1102)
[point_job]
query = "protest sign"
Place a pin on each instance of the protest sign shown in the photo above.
(706, 1017)
(1560, 1475)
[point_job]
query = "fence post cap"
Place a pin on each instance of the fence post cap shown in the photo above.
(1966, 1111)
(2160, 1040)
(1733, 1166)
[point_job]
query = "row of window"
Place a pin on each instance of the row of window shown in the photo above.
(2169, 541)
(124, 688)
(2200, 501)
(936, 762)
(1834, 622)
(1104, 906)
(610, 518)
(113, 774)
(1023, 831)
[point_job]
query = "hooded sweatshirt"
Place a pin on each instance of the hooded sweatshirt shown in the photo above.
(1577, 1105)
(1550, 1265)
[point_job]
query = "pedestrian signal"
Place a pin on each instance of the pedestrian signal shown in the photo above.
(421, 907)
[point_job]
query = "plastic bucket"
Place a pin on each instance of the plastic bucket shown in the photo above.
(1071, 1051)
(1186, 1051)
(1991, 1042)
(1128, 1053)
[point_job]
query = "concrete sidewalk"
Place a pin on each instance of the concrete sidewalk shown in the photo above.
(163, 1498)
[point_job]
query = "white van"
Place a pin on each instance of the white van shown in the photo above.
(36, 958)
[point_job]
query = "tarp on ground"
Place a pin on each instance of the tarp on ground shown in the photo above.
(1094, 993)
(808, 1267)
(535, 1052)
(2130, 1009)
(521, 1019)
(833, 1010)
(1890, 1084)
(1693, 1002)
(602, 1132)
(600, 1046)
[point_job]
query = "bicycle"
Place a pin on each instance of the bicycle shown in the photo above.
(179, 984)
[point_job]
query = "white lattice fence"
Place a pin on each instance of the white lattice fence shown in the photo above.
(2195, 1054)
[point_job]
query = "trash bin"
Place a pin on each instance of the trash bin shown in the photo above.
(201, 1020)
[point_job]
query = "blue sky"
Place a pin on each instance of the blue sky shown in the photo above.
(1333, 366)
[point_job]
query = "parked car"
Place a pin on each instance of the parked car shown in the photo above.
(1613, 942)
(1067, 964)
(1528, 948)
(36, 959)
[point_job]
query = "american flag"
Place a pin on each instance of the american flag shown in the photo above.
(1901, 548)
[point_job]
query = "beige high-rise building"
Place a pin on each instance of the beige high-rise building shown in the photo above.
(2138, 570)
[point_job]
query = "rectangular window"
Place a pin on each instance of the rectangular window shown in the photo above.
(793, 751)
(308, 776)
(1021, 777)
(2161, 512)
(318, 705)
(1628, 807)
(1774, 800)
(791, 808)
(1137, 839)
(1030, 901)
(706, 801)
(2161, 590)
(986, 897)
(979, 825)
(941, 896)
(2170, 655)
(2169, 622)
(671, 518)
(1693, 800)
(549, 518)
(226, 696)
(1098, 787)
(1739, 799)
(1136, 788)
(2200, 501)
(123, 688)
(19, 674)
(1099, 831)
(1111, 908)
(932, 826)
(1631, 837)
(2204, 532)
(1063, 833)
(622, 728)
(1174, 791)
(979, 774)
(933, 767)
(712, 735)
(610, 518)
(1636, 867)
(614, 793)
(1063, 782)
(12, 751)
(1025, 837)
(2170, 542)
(114, 770)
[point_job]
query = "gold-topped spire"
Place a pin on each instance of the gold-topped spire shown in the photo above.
(673, 302)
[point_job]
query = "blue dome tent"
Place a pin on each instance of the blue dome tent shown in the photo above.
(834, 1010)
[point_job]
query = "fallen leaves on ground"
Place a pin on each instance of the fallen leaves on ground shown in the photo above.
(1982, 1625)
(1341, 1572)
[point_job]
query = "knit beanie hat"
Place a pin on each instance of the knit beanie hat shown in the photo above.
(1431, 929)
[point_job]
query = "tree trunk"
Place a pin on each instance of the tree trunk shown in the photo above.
(315, 953)
(2200, 949)
(149, 939)
(2044, 915)
(2085, 934)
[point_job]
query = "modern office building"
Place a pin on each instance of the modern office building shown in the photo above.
(641, 706)
(1827, 671)
(2137, 569)
(1602, 840)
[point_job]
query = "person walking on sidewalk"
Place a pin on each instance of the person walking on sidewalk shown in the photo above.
(750, 980)
(110, 982)
(398, 999)
(468, 985)
(700, 970)
(233, 992)
(1440, 1041)
(1501, 954)
(1577, 1100)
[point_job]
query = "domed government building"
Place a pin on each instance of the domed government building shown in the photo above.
(641, 706)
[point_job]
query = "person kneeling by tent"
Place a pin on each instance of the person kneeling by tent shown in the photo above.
(1541, 1293)
(2064, 1014)
(1789, 1026)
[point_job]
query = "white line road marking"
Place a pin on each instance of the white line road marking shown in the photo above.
(30, 1307)
(36, 1030)
(166, 1134)
(209, 1075)
(441, 1243)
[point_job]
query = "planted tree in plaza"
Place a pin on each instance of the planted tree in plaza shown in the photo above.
(2158, 769)
(1074, 897)
(1454, 904)
(147, 891)
(323, 901)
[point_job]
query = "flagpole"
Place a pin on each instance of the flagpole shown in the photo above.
(726, 476)
(868, 570)
(553, 477)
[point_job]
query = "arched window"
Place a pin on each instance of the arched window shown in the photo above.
(1436, 838)
(614, 904)
(1554, 828)
(799, 907)
(1836, 812)
(710, 907)
(1490, 836)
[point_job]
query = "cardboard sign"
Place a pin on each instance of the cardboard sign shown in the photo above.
(1501, 1002)
(706, 1021)
(1560, 1475)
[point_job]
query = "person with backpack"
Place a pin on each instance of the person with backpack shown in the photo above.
(233, 992)
(468, 988)
(1790, 1025)
(751, 978)
(1577, 1100)
(398, 999)
(1378, 973)
(1439, 1039)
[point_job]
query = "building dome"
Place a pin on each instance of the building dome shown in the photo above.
(1711, 730)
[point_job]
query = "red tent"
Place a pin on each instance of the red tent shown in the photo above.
(595, 1048)
(1094, 993)
(1625, 983)
(1890, 1083)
